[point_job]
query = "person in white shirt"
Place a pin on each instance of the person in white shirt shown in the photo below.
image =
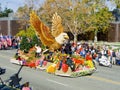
(38, 50)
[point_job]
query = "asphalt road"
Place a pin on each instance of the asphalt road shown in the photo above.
(103, 79)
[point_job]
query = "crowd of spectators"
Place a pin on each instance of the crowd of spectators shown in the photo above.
(9, 42)
(84, 49)
(92, 51)
(89, 51)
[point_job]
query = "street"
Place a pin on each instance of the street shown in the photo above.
(103, 79)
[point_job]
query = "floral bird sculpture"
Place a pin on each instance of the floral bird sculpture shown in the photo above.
(53, 38)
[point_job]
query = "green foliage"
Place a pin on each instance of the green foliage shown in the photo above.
(117, 2)
(25, 45)
(21, 33)
(5, 12)
(80, 16)
(116, 13)
(35, 40)
(100, 20)
(29, 32)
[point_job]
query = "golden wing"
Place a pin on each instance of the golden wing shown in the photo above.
(57, 27)
(44, 33)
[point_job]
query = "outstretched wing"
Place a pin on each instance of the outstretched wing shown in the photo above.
(44, 33)
(57, 27)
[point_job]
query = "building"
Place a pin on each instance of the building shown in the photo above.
(9, 25)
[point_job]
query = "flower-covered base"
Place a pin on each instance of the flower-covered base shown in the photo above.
(83, 72)
(57, 63)
(14, 61)
(76, 73)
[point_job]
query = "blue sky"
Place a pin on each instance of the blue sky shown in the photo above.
(110, 4)
(13, 4)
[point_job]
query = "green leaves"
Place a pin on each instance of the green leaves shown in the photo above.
(117, 2)
(5, 12)
(24, 45)
(29, 39)
(29, 32)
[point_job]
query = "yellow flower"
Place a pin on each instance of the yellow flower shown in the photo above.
(51, 68)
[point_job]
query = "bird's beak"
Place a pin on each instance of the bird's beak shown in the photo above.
(66, 37)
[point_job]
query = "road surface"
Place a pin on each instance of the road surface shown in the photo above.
(103, 79)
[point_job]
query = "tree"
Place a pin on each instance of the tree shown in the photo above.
(116, 11)
(35, 40)
(23, 12)
(29, 32)
(0, 8)
(79, 16)
(5, 12)
(117, 2)
(23, 15)
(25, 45)
(100, 21)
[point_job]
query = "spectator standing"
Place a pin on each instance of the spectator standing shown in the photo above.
(118, 57)
(113, 58)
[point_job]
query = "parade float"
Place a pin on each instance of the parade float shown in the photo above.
(52, 60)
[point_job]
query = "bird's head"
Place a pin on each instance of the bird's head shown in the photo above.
(62, 38)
